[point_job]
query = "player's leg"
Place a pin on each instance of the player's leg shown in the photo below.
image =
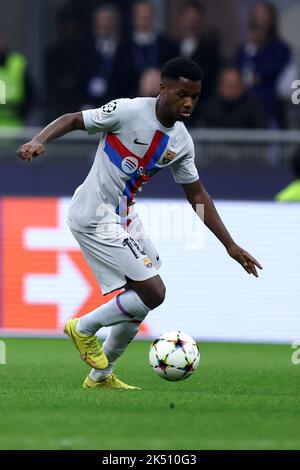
(128, 306)
(113, 261)
(153, 291)
(114, 346)
(88, 346)
(133, 304)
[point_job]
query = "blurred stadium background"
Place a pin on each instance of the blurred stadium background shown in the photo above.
(62, 56)
(65, 55)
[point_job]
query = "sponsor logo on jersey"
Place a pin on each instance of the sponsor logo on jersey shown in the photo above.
(129, 165)
(141, 171)
(168, 157)
(148, 262)
(136, 141)
(95, 114)
(109, 107)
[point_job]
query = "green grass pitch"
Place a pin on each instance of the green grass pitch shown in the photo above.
(242, 397)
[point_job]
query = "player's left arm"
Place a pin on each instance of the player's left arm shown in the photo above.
(197, 195)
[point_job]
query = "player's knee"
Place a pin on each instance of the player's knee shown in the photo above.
(156, 296)
(161, 294)
(152, 292)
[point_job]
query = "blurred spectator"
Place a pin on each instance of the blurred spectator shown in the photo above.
(19, 96)
(149, 83)
(292, 192)
(264, 60)
(148, 48)
(107, 69)
(233, 107)
(197, 44)
(65, 66)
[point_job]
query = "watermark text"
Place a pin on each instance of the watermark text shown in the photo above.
(295, 359)
(2, 92)
(296, 94)
(2, 352)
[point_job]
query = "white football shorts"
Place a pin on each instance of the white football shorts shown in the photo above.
(117, 254)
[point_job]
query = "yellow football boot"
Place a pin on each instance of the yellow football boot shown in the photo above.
(88, 346)
(110, 382)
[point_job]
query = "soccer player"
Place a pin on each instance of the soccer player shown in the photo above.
(138, 138)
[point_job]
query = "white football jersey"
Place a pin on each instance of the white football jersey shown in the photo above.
(133, 146)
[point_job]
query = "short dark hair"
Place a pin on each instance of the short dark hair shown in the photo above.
(182, 67)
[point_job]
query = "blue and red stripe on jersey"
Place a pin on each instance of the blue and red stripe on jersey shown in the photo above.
(117, 151)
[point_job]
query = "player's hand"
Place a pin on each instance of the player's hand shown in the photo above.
(30, 150)
(244, 258)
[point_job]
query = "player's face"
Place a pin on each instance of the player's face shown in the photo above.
(179, 98)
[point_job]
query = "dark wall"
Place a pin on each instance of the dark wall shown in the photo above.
(60, 177)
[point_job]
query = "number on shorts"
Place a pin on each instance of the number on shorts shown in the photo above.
(134, 247)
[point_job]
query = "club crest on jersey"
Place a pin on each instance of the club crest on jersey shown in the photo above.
(168, 157)
(148, 262)
(109, 107)
(129, 165)
(143, 172)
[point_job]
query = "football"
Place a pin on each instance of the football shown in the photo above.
(174, 356)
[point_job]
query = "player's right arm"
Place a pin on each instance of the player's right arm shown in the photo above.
(61, 126)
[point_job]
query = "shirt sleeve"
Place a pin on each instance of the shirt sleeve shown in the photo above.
(184, 169)
(107, 118)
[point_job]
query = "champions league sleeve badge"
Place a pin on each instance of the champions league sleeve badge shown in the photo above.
(109, 107)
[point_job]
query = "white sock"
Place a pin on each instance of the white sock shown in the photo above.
(122, 308)
(114, 346)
